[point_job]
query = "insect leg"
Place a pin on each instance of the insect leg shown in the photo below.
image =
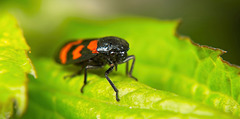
(85, 79)
(130, 72)
(111, 83)
(85, 74)
(126, 67)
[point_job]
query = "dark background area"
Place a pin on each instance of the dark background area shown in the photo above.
(214, 23)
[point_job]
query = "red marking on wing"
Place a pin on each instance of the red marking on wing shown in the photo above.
(93, 46)
(76, 52)
(65, 49)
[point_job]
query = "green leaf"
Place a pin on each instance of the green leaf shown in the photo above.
(53, 97)
(164, 62)
(14, 66)
(167, 62)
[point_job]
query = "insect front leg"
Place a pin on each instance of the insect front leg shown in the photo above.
(111, 83)
(130, 72)
(85, 74)
(126, 67)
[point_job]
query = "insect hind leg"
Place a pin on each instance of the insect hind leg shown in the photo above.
(85, 75)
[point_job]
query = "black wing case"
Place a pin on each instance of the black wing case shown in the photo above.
(77, 51)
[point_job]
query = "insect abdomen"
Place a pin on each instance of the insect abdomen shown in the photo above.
(77, 51)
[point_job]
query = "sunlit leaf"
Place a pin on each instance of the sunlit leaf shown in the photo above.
(167, 62)
(53, 97)
(164, 61)
(14, 66)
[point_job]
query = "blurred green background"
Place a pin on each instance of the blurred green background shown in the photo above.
(214, 23)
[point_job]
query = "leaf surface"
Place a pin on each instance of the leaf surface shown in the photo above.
(169, 62)
(163, 61)
(14, 66)
(53, 97)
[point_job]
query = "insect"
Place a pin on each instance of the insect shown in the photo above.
(96, 53)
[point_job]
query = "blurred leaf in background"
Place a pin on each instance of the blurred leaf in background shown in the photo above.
(29, 7)
(213, 23)
(14, 66)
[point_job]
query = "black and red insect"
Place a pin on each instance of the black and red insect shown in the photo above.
(96, 53)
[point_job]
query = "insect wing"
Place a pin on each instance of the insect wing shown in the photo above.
(77, 51)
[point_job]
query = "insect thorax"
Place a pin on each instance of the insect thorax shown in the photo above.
(113, 49)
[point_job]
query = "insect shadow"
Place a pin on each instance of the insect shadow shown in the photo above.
(99, 72)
